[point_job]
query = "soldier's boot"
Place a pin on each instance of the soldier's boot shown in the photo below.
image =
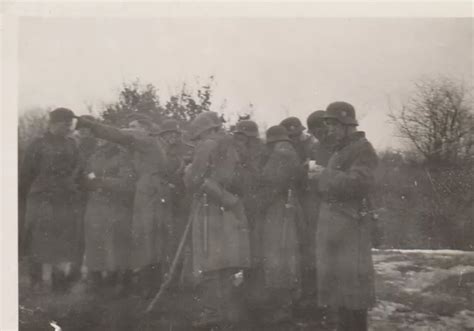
(308, 301)
(279, 306)
(94, 281)
(59, 281)
(151, 278)
(124, 283)
(352, 320)
(208, 319)
(35, 273)
(359, 320)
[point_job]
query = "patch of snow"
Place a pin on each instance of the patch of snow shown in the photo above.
(421, 280)
(384, 309)
(394, 316)
(426, 251)
(390, 269)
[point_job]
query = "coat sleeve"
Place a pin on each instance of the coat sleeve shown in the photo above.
(357, 181)
(198, 169)
(141, 144)
(29, 168)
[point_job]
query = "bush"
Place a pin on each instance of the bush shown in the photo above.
(31, 124)
(423, 207)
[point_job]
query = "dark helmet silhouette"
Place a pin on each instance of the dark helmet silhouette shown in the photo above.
(277, 133)
(343, 112)
(247, 127)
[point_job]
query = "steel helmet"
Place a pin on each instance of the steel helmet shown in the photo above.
(247, 127)
(315, 118)
(293, 126)
(61, 115)
(277, 133)
(342, 112)
(204, 121)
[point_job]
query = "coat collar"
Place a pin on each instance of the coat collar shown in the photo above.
(350, 139)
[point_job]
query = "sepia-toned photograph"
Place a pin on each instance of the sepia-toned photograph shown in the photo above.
(274, 173)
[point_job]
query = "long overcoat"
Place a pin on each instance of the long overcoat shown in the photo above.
(180, 201)
(151, 206)
(344, 261)
(320, 153)
(108, 215)
(251, 170)
(227, 231)
(306, 197)
(281, 254)
(49, 179)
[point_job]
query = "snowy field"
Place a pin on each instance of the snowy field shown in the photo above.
(416, 290)
(424, 290)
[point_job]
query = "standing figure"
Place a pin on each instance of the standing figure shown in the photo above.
(171, 135)
(281, 253)
(252, 152)
(108, 216)
(87, 145)
(49, 177)
(304, 146)
(151, 206)
(344, 261)
(220, 234)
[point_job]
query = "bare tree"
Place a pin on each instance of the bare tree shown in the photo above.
(438, 120)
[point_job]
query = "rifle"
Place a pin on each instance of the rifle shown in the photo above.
(164, 286)
(206, 224)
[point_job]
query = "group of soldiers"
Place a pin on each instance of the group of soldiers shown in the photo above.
(273, 221)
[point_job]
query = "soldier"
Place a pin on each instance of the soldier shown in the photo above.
(252, 152)
(108, 215)
(220, 234)
(151, 207)
(344, 261)
(318, 154)
(281, 254)
(304, 146)
(87, 145)
(302, 142)
(86, 141)
(49, 177)
(321, 151)
(171, 135)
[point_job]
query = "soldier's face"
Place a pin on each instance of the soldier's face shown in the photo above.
(319, 131)
(336, 131)
(63, 128)
(241, 141)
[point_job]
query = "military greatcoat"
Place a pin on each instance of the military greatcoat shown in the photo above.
(228, 233)
(108, 216)
(152, 206)
(344, 261)
(281, 254)
(49, 178)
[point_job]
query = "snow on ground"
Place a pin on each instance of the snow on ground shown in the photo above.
(415, 289)
(425, 251)
(424, 290)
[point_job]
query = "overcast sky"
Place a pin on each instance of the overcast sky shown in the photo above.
(283, 66)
